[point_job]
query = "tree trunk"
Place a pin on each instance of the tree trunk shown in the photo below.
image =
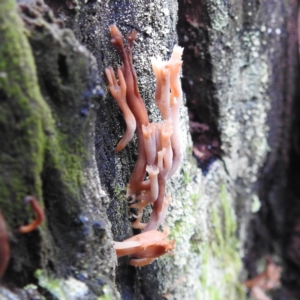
(59, 126)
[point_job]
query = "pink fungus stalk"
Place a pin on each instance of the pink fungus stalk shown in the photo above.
(143, 248)
(39, 215)
(153, 172)
(118, 90)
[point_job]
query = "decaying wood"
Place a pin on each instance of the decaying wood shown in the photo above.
(59, 127)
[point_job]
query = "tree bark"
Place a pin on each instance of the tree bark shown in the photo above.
(59, 126)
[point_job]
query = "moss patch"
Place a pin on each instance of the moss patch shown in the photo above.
(222, 253)
(23, 115)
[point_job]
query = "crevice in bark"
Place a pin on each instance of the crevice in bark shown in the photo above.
(289, 237)
(192, 28)
(274, 229)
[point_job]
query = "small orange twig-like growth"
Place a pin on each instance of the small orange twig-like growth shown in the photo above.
(143, 248)
(269, 279)
(134, 102)
(39, 215)
(4, 246)
(159, 150)
(118, 90)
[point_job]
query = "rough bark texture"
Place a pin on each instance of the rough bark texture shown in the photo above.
(59, 126)
(48, 149)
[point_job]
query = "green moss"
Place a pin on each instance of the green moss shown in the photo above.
(186, 178)
(222, 253)
(230, 225)
(32, 289)
(189, 155)
(70, 288)
(62, 289)
(217, 227)
(176, 230)
(214, 293)
(28, 131)
(120, 193)
(23, 114)
(195, 199)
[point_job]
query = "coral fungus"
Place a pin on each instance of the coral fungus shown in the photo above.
(4, 246)
(269, 279)
(118, 90)
(144, 247)
(39, 213)
(159, 151)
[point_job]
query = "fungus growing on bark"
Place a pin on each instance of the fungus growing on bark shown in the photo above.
(149, 134)
(143, 248)
(269, 279)
(153, 172)
(159, 150)
(135, 104)
(39, 215)
(4, 246)
(118, 90)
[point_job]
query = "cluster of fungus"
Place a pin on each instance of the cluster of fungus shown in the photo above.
(159, 151)
(4, 246)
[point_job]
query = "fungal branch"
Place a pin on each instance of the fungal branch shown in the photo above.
(39, 215)
(4, 246)
(159, 150)
(268, 280)
(144, 247)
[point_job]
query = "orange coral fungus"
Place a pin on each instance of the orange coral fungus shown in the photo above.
(118, 90)
(269, 279)
(143, 248)
(4, 246)
(134, 101)
(159, 150)
(39, 215)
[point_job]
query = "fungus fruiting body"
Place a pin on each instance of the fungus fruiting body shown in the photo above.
(159, 150)
(4, 246)
(118, 90)
(39, 215)
(143, 248)
(269, 279)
